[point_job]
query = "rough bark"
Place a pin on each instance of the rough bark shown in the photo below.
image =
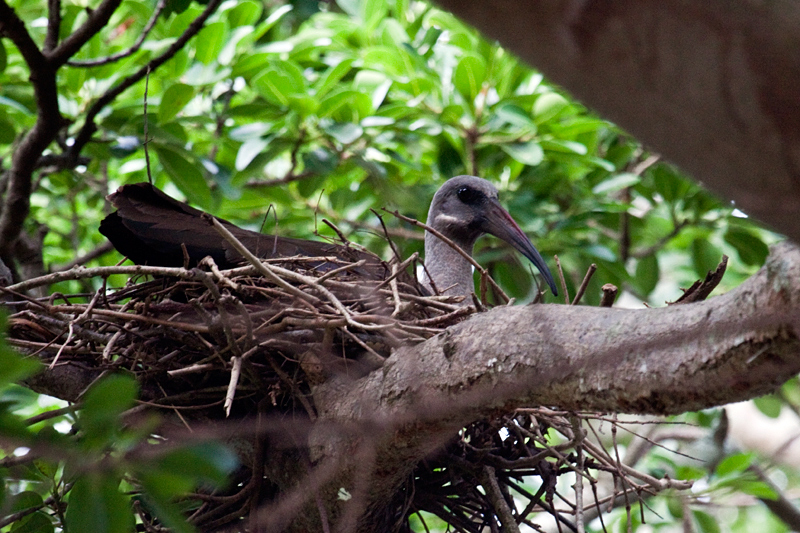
(660, 361)
(710, 85)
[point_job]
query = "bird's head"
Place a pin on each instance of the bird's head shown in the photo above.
(466, 207)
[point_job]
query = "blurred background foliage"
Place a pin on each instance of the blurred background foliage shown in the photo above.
(281, 114)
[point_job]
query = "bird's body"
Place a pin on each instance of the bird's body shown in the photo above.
(152, 228)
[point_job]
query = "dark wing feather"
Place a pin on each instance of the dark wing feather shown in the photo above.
(149, 227)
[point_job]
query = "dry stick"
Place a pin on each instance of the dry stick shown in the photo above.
(79, 272)
(563, 281)
(609, 295)
(488, 479)
(578, 487)
(266, 271)
(271, 273)
(400, 268)
(455, 247)
(236, 370)
(584, 283)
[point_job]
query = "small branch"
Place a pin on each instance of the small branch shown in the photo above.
(455, 247)
(488, 479)
(89, 127)
(130, 51)
(609, 295)
(701, 289)
(585, 283)
(97, 20)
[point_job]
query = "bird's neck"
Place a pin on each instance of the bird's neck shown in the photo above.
(450, 271)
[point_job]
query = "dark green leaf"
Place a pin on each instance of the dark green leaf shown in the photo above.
(37, 522)
(187, 175)
(3, 57)
(97, 506)
(320, 161)
(752, 250)
(647, 274)
(705, 256)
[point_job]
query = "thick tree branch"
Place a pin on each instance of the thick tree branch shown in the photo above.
(16, 203)
(710, 85)
(669, 360)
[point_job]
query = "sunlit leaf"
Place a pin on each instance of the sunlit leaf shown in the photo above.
(529, 153)
(469, 75)
(620, 181)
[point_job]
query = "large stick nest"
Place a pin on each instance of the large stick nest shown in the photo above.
(252, 341)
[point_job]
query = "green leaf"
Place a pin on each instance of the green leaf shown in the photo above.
(3, 57)
(278, 83)
(759, 489)
(209, 42)
(97, 506)
(185, 174)
(528, 153)
(647, 274)
(320, 161)
(13, 367)
(752, 250)
(620, 181)
(547, 106)
(770, 405)
(345, 133)
(705, 256)
(37, 522)
(208, 462)
(174, 99)
(469, 75)
(705, 522)
(333, 75)
(103, 403)
(248, 151)
(245, 13)
(733, 464)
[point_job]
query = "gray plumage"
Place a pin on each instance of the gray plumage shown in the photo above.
(463, 209)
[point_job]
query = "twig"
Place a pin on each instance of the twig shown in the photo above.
(609, 295)
(563, 281)
(585, 283)
(455, 247)
(236, 369)
(130, 51)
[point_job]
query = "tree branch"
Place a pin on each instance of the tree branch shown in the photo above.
(89, 126)
(669, 360)
(96, 22)
(712, 86)
(16, 203)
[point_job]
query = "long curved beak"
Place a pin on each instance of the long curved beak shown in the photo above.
(499, 223)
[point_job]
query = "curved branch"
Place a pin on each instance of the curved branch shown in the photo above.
(669, 360)
(97, 20)
(710, 85)
(89, 126)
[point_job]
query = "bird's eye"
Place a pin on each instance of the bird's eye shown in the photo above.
(468, 195)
